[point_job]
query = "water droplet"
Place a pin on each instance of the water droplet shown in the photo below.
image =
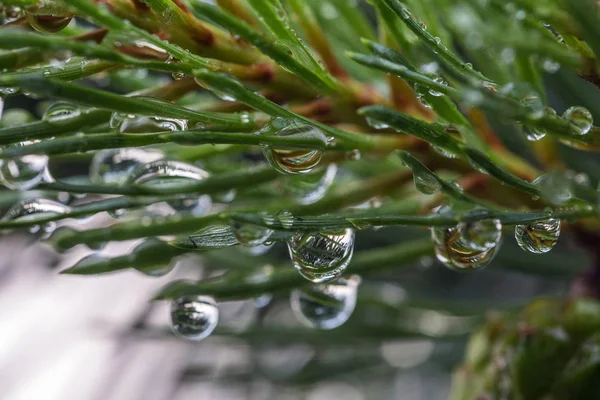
(320, 257)
(25, 172)
(538, 237)
(293, 161)
(194, 317)
(131, 123)
(534, 134)
(555, 187)
(310, 188)
(443, 152)
(441, 81)
(285, 218)
(250, 235)
(467, 246)
(113, 166)
(149, 268)
(580, 118)
(61, 112)
(376, 124)
(426, 183)
(258, 250)
(163, 174)
(325, 306)
(220, 94)
(34, 209)
(527, 96)
(48, 23)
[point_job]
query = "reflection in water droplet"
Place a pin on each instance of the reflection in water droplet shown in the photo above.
(250, 235)
(538, 237)
(163, 174)
(310, 188)
(293, 161)
(61, 112)
(325, 306)
(258, 250)
(580, 118)
(534, 134)
(25, 172)
(150, 269)
(34, 209)
(467, 246)
(194, 317)
(320, 257)
(48, 23)
(112, 167)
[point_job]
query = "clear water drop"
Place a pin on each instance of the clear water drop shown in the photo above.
(527, 96)
(426, 184)
(285, 218)
(325, 306)
(25, 172)
(376, 124)
(194, 317)
(445, 153)
(220, 94)
(538, 237)
(321, 257)
(467, 247)
(580, 118)
(534, 134)
(310, 188)
(164, 174)
(131, 123)
(151, 269)
(555, 187)
(35, 209)
(441, 81)
(61, 112)
(48, 23)
(293, 161)
(113, 166)
(258, 250)
(250, 235)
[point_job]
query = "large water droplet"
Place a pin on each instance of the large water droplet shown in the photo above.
(527, 96)
(250, 235)
(325, 306)
(112, 167)
(320, 257)
(48, 23)
(467, 246)
(61, 112)
(25, 172)
(580, 118)
(555, 187)
(194, 317)
(165, 174)
(426, 183)
(151, 269)
(310, 188)
(538, 237)
(293, 161)
(35, 209)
